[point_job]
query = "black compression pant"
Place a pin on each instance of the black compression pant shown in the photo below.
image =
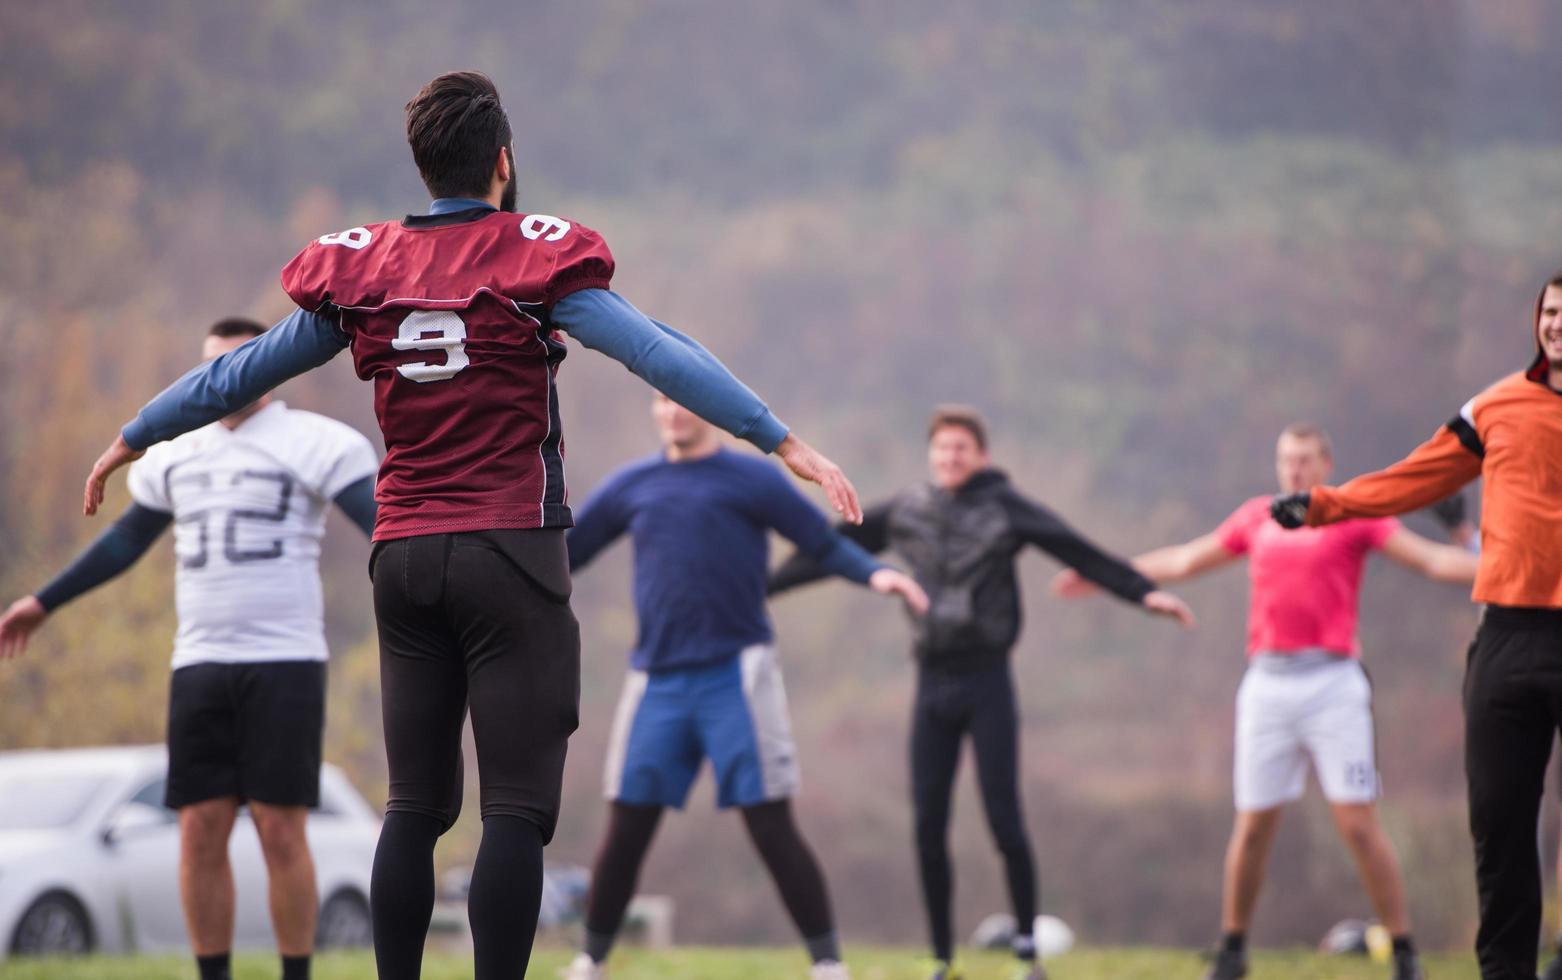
(1512, 710)
(479, 621)
(949, 706)
(775, 836)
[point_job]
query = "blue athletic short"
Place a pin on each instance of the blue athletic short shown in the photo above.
(732, 712)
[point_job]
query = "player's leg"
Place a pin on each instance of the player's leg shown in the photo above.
(995, 740)
(615, 874)
(746, 730)
(206, 881)
(935, 757)
(1247, 856)
(653, 757)
(508, 602)
(282, 708)
(290, 871)
(797, 875)
(1553, 970)
(1340, 737)
(423, 702)
(1269, 770)
(1509, 728)
(1373, 852)
(203, 787)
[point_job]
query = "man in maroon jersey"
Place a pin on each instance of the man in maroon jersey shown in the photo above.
(454, 317)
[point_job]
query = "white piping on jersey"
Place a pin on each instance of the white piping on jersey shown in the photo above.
(553, 379)
(1468, 413)
(452, 302)
(542, 464)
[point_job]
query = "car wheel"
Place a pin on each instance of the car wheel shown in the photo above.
(54, 925)
(344, 922)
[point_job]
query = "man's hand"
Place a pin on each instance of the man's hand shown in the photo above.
(1290, 509)
(25, 615)
(804, 461)
(1165, 604)
(116, 455)
(1450, 511)
(890, 581)
(1069, 584)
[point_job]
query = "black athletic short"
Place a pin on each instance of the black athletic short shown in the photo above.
(246, 730)
(482, 620)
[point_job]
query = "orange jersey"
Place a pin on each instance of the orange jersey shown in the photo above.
(1511, 436)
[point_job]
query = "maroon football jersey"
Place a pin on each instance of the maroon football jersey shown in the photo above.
(448, 315)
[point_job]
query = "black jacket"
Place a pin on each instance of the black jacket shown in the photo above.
(961, 547)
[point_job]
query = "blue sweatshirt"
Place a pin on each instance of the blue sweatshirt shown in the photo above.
(702, 551)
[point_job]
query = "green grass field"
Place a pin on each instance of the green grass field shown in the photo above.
(757, 964)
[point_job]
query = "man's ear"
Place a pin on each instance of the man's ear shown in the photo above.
(504, 167)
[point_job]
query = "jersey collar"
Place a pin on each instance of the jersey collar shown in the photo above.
(449, 205)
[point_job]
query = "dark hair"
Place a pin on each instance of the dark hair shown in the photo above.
(456, 128)
(960, 416)
(236, 326)
(1310, 430)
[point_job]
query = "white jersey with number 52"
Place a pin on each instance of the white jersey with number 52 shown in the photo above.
(249, 511)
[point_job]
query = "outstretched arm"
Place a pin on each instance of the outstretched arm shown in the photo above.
(833, 552)
(1439, 562)
(690, 375)
(115, 550)
(1173, 563)
(872, 536)
(1184, 561)
(1038, 526)
(1436, 469)
(219, 388)
(356, 500)
(598, 523)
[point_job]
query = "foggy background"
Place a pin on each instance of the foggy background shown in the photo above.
(1141, 236)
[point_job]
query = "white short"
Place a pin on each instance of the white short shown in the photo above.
(1292, 707)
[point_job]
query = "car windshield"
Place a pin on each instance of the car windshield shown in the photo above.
(43, 801)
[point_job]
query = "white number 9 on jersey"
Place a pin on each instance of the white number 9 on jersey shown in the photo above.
(449, 335)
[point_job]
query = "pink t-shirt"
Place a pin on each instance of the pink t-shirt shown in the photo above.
(1304, 583)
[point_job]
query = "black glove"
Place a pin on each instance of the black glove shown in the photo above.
(1290, 509)
(1450, 513)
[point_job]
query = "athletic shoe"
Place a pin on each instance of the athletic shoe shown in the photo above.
(1407, 967)
(829, 970)
(583, 967)
(1554, 968)
(1230, 964)
(942, 970)
(1030, 971)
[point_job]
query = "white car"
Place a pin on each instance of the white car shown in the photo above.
(89, 857)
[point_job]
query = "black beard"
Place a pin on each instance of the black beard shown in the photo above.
(507, 196)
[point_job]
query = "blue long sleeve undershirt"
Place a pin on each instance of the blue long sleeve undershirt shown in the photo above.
(670, 362)
(124, 542)
(600, 319)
